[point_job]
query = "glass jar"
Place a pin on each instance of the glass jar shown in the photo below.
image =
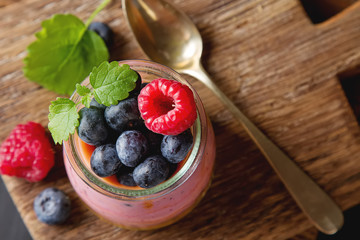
(143, 209)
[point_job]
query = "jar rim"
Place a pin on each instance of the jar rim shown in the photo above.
(199, 133)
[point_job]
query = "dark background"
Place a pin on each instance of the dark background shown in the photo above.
(11, 224)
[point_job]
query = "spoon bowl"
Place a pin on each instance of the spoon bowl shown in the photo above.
(182, 46)
(169, 37)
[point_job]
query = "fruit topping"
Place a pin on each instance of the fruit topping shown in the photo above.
(125, 176)
(52, 206)
(124, 115)
(92, 128)
(167, 106)
(104, 31)
(95, 104)
(141, 135)
(132, 146)
(146, 156)
(175, 148)
(151, 172)
(138, 85)
(27, 153)
(104, 160)
(154, 140)
(110, 83)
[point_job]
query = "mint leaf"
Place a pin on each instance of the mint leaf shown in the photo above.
(63, 119)
(82, 90)
(112, 82)
(64, 52)
(85, 93)
(86, 100)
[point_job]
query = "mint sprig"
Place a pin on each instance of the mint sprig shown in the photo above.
(109, 82)
(85, 93)
(64, 52)
(63, 119)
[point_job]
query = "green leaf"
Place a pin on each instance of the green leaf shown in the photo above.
(85, 93)
(64, 53)
(86, 100)
(112, 82)
(82, 90)
(63, 119)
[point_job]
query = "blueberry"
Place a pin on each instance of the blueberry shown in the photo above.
(52, 206)
(175, 148)
(95, 104)
(92, 128)
(123, 115)
(154, 140)
(104, 160)
(125, 176)
(135, 125)
(151, 172)
(172, 169)
(131, 146)
(138, 85)
(112, 137)
(104, 31)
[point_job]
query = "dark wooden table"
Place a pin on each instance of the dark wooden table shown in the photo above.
(286, 73)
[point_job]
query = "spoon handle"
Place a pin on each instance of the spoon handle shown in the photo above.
(313, 201)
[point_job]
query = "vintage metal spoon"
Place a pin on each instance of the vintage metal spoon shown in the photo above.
(169, 37)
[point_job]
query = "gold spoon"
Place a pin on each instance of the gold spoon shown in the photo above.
(169, 37)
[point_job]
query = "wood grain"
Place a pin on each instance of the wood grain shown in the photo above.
(268, 57)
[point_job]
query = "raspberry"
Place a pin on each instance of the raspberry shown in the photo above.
(167, 106)
(27, 153)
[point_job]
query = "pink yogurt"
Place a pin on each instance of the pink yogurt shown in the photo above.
(154, 207)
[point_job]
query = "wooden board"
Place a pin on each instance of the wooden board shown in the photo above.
(283, 71)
